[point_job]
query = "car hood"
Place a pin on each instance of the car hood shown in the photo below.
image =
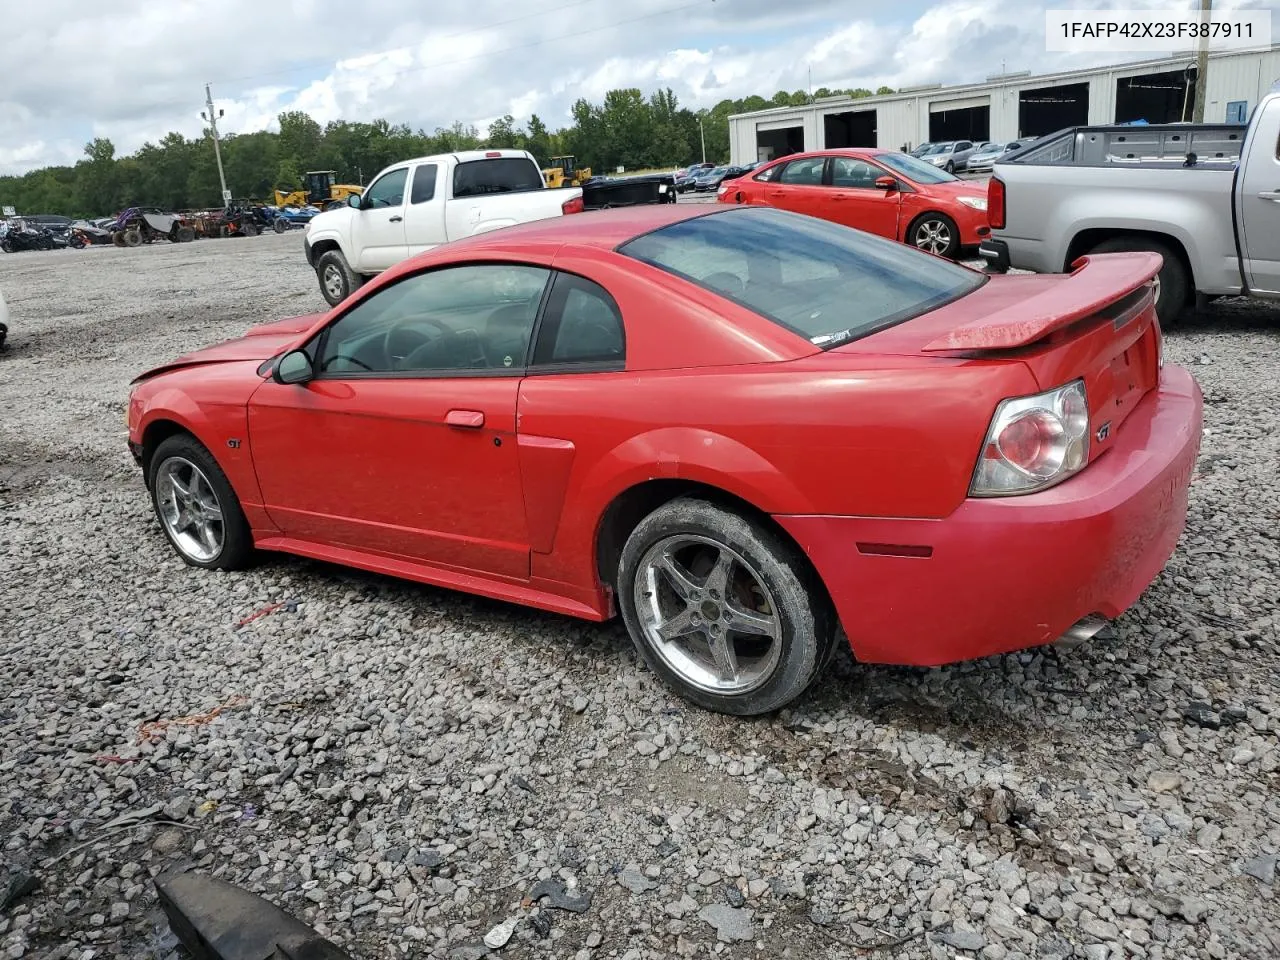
(257, 344)
(955, 189)
(337, 219)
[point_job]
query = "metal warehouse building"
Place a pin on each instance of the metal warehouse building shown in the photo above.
(1010, 106)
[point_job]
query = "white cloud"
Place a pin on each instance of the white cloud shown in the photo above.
(133, 70)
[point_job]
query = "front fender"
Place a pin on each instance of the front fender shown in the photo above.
(221, 426)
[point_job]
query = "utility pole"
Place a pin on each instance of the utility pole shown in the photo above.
(703, 135)
(217, 148)
(1202, 65)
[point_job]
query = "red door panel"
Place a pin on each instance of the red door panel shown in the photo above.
(419, 468)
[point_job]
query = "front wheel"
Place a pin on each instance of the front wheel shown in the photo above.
(337, 280)
(132, 238)
(196, 507)
(280, 225)
(723, 609)
(935, 233)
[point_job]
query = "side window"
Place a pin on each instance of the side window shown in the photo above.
(804, 172)
(424, 183)
(848, 172)
(496, 175)
(768, 174)
(474, 317)
(963, 145)
(582, 324)
(387, 191)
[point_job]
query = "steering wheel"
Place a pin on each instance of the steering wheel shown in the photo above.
(402, 339)
(466, 340)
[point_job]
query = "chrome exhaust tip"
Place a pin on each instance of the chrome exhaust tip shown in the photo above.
(1084, 630)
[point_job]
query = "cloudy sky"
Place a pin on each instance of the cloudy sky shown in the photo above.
(132, 70)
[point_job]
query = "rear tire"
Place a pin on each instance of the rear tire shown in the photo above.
(221, 512)
(767, 584)
(132, 238)
(337, 280)
(1173, 283)
(280, 225)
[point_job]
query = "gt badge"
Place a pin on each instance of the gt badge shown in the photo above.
(1104, 431)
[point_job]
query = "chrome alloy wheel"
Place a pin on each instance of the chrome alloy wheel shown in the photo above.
(189, 509)
(933, 236)
(707, 614)
(334, 282)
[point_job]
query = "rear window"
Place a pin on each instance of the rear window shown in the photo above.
(496, 175)
(828, 283)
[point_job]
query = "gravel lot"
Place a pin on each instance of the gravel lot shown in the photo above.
(399, 765)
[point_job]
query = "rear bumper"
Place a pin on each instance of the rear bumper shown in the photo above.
(995, 255)
(1016, 572)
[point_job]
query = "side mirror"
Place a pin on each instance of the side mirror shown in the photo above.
(886, 183)
(354, 201)
(293, 367)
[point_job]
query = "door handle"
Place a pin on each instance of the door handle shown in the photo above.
(396, 219)
(469, 419)
(1272, 195)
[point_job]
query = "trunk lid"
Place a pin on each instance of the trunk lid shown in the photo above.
(1097, 323)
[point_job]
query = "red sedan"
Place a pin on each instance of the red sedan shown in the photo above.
(739, 428)
(883, 192)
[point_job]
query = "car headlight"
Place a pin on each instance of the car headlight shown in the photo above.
(978, 203)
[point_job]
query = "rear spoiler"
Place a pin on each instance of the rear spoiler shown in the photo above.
(1095, 282)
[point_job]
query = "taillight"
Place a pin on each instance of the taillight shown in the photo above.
(995, 203)
(572, 206)
(1034, 442)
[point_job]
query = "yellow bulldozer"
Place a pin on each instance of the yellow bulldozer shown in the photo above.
(564, 172)
(320, 190)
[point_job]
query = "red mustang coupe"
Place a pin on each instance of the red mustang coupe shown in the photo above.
(740, 428)
(883, 192)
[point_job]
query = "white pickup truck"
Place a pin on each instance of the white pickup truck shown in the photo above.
(1206, 197)
(418, 204)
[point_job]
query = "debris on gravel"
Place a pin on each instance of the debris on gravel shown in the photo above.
(406, 769)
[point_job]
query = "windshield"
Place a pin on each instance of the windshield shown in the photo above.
(828, 283)
(991, 148)
(914, 169)
(936, 149)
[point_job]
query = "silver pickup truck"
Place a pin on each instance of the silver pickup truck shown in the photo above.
(1206, 197)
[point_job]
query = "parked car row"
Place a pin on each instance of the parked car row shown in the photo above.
(956, 156)
(707, 177)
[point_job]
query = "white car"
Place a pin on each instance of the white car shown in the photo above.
(419, 204)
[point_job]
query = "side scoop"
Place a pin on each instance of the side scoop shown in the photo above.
(218, 921)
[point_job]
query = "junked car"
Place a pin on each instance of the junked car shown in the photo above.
(738, 428)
